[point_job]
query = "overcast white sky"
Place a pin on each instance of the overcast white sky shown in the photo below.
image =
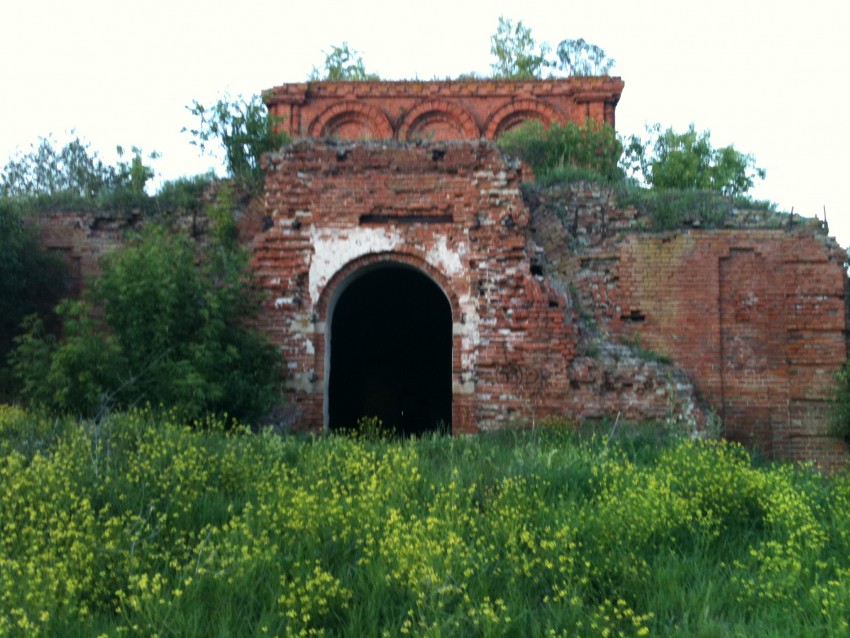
(769, 76)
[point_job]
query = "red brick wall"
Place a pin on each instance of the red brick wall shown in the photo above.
(542, 291)
(460, 109)
(756, 317)
(84, 238)
(453, 211)
(471, 241)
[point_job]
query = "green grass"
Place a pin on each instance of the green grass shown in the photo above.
(137, 526)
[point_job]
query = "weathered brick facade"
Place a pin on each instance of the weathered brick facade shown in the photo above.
(755, 315)
(557, 302)
(454, 212)
(459, 109)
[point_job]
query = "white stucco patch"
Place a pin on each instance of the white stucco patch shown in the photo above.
(335, 248)
(447, 259)
(469, 332)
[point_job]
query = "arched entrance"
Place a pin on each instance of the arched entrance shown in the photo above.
(391, 351)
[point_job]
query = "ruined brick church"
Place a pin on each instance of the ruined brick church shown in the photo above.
(410, 277)
(412, 280)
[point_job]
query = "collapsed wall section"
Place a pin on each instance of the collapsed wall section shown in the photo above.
(82, 239)
(756, 316)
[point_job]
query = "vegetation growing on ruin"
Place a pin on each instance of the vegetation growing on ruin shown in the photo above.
(243, 130)
(672, 208)
(841, 404)
(74, 177)
(677, 178)
(164, 324)
(74, 170)
(566, 151)
(680, 181)
(688, 161)
(139, 526)
(342, 64)
(518, 56)
(516, 52)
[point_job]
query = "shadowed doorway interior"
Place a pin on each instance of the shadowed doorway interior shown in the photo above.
(391, 353)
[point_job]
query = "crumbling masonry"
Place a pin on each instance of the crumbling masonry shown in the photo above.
(399, 252)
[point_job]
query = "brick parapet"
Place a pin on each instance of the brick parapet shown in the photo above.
(438, 110)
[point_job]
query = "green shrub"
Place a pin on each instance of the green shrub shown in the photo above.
(688, 161)
(164, 324)
(244, 130)
(183, 195)
(31, 279)
(841, 404)
(81, 375)
(74, 172)
(566, 147)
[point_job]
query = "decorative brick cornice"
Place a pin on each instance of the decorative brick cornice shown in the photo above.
(450, 109)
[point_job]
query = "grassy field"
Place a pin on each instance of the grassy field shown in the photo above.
(138, 527)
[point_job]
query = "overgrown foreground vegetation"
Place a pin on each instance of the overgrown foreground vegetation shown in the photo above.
(134, 526)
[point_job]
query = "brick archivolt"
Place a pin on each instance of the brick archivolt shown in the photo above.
(368, 118)
(404, 257)
(427, 117)
(417, 120)
(451, 109)
(516, 112)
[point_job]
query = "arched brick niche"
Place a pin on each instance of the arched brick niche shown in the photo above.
(350, 121)
(516, 112)
(460, 109)
(437, 120)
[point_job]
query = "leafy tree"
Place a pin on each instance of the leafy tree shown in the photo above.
(73, 169)
(590, 150)
(518, 55)
(516, 51)
(244, 130)
(163, 324)
(134, 175)
(688, 161)
(342, 64)
(581, 58)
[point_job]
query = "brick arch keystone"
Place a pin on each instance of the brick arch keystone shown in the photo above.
(508, 115)
(371, 117)
(454, 113)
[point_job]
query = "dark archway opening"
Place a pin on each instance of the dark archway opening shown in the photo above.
(391, 353)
